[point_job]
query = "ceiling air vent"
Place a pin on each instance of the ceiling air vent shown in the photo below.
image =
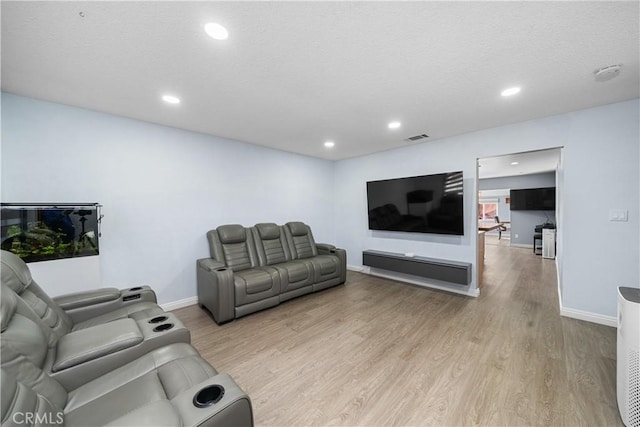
(417, 137)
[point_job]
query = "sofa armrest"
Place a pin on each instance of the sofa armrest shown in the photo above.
(215, 289)
(83, 299)
(216, 402)
(82, 306)
(210, 264)
(325, 248)
(92, 343)
(87, 354)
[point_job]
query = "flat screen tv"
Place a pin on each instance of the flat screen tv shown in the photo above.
(417, 204)
(533, 199)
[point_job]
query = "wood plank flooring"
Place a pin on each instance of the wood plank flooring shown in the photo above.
(375, 352)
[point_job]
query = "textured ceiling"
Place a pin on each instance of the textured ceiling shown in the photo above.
(295, 74)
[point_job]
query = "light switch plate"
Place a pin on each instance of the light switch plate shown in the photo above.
(618, 215)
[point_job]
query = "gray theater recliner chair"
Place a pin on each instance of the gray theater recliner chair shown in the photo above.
(329, 263)
(81, 310)
(170, 386)
(255, 287)
(296, 276)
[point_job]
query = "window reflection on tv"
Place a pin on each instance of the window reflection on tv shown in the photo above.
(48, 232)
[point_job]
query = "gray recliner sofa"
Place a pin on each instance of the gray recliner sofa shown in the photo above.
(254, 268)
(168, 386)
(79, 310)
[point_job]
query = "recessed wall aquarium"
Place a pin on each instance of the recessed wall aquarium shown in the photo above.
(49, 231)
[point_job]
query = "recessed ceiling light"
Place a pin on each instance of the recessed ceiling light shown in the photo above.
(511, 91)
(329, 144)
(514, 163)
(394, 125)
(170, 99)
(216, 31)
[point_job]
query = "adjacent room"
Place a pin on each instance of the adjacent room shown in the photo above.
(517, 201)
(320, 213)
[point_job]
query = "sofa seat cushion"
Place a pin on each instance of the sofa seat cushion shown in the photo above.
(295, 274)
(139, 393)
(256, 284)
(137, 311)
(326, 267)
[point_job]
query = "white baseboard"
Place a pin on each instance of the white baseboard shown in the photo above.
(589, 317)
(357, 268)
(174, 305)
(582, 315)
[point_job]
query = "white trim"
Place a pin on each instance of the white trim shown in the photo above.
(589, 317)
(472, 292)
(174, 305)
(358, 268)
(558, 282)
(583, 315)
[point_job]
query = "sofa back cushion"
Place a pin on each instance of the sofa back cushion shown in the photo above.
(16, 275)
(300, 240)
(233, 245)
(271, 244)
(22, 405)
(24, 350)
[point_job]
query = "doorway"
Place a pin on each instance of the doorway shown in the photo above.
(506, 222)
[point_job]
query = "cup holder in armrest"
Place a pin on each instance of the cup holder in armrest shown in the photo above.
(221, 269)
(208, 396)
(158, 319)
(163, 327)
(137, 288)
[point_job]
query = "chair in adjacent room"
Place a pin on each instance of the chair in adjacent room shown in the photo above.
(501, 228)
(537, 237)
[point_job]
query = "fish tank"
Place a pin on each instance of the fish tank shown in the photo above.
(43, 232)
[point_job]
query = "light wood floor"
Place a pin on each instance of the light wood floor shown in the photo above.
(375, 352)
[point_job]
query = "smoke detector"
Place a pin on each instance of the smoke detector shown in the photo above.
(607, 73)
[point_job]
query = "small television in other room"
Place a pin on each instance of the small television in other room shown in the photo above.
(533, 199)
(417, 204)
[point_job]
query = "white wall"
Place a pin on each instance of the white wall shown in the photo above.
(599, 164)
(162, 188)
(351, 216)
(600, 172)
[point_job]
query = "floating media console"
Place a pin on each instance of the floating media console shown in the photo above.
(430, 268)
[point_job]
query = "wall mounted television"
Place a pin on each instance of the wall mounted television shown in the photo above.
(533, 199)
(417, 204)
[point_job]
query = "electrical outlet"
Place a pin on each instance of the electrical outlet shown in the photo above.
(516, 236)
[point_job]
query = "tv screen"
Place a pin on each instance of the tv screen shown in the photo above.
(417, 204)
(533, 199)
